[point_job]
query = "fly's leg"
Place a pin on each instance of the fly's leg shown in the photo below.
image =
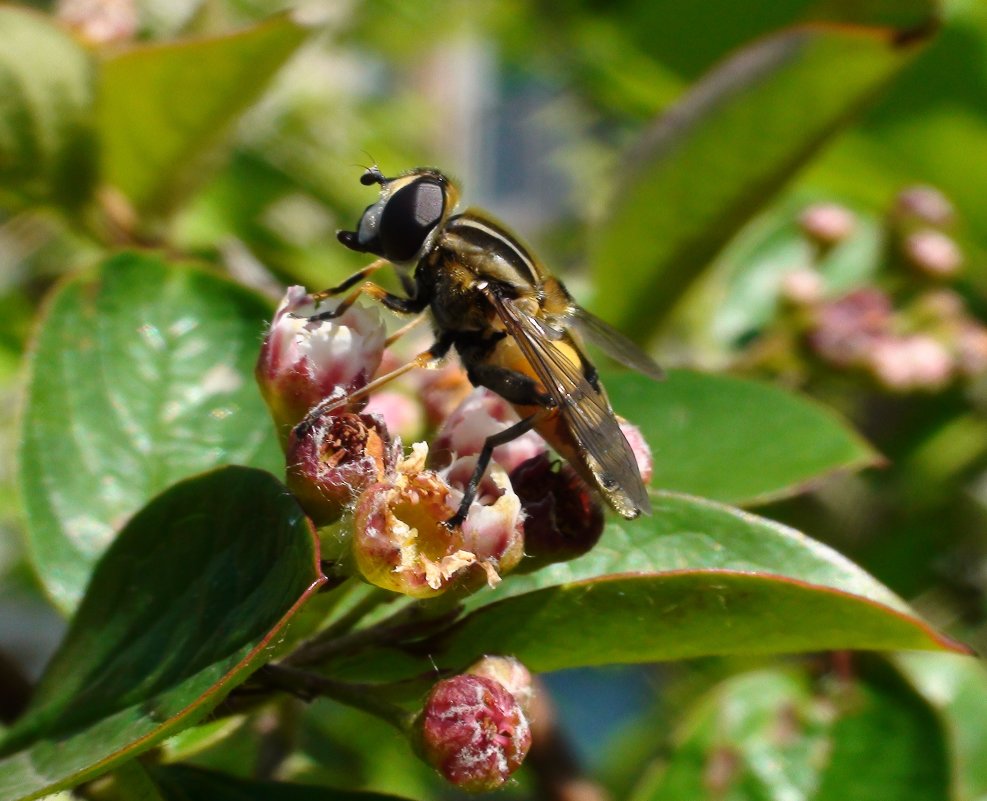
(391, 301)
(350, 282)
(427, 359)
(512, 386)
(516, 388)
(404, 329)
(483, 461)
(402, 305)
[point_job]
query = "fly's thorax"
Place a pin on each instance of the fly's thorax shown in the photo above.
(491, 252)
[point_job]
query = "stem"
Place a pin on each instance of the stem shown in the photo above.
(15, 690)
(411, 622)
(309, 686)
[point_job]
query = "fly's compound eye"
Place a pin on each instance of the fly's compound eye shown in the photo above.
(408, 218)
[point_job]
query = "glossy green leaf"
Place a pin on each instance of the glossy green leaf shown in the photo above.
(714, 159)
(142, 374)
(47, 150)
(162, 106)
(735, 440)
(185, 604)
(956, 687)
(185, 783)
(694, 579)
(772, 735)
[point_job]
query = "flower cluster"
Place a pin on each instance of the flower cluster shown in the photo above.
(344, 463)
(913, 334)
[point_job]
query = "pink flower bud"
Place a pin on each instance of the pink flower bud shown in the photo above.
(934, 253)
(925, 204)
(480, 415)
(442, 390)
(401, 413)
(302, 363)
(509, 672)
(802, 287)
(640, 448)
(971, 349)
(563, 518)
(847, 328)
(401, 542)
(909, 363)
(472, 730)
(333, 458)
(100, 21)
(827, 223)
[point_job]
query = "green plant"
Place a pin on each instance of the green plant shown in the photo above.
(217, 641)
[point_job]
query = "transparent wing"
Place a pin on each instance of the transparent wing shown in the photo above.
(613, 343)
(603, 446)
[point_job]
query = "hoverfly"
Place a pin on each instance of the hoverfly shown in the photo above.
(515, 327)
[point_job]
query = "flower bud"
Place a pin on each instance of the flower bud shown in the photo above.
(639, 447)
(847, 328)
(971, 347)
(482, 414)
(802, 287)
(332, 458)
(442, 390)
(401, 541)
(933, 252)
(402, 414)
(100, 21)
(473, 731)
(509, 672)
(562, 517)
(925, 204)
(827, 224)
(303, 362)
(912, 362)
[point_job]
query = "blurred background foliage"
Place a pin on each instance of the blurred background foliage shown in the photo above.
(246, 156)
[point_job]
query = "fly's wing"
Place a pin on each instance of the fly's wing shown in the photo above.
(613, 343)
(603, 446)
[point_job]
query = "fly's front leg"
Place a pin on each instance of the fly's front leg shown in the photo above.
(391, 301)
(350, 282)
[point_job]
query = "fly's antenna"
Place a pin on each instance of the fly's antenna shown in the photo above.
(372, 173)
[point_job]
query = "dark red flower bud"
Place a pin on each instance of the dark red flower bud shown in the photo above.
(472, 730)
(563, 518)
(509, 672)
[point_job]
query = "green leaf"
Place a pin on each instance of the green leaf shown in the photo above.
(735, 440)
(162, 106)
(694, 579)
(185, 783)
(772, 735)
(713, 160)
(956, 687)
(187, 602)
(886, 744)
(142, 374)
(47, 149)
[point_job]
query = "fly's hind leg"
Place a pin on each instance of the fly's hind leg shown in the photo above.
(516, 388)
(512, 386)
(483, 461)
